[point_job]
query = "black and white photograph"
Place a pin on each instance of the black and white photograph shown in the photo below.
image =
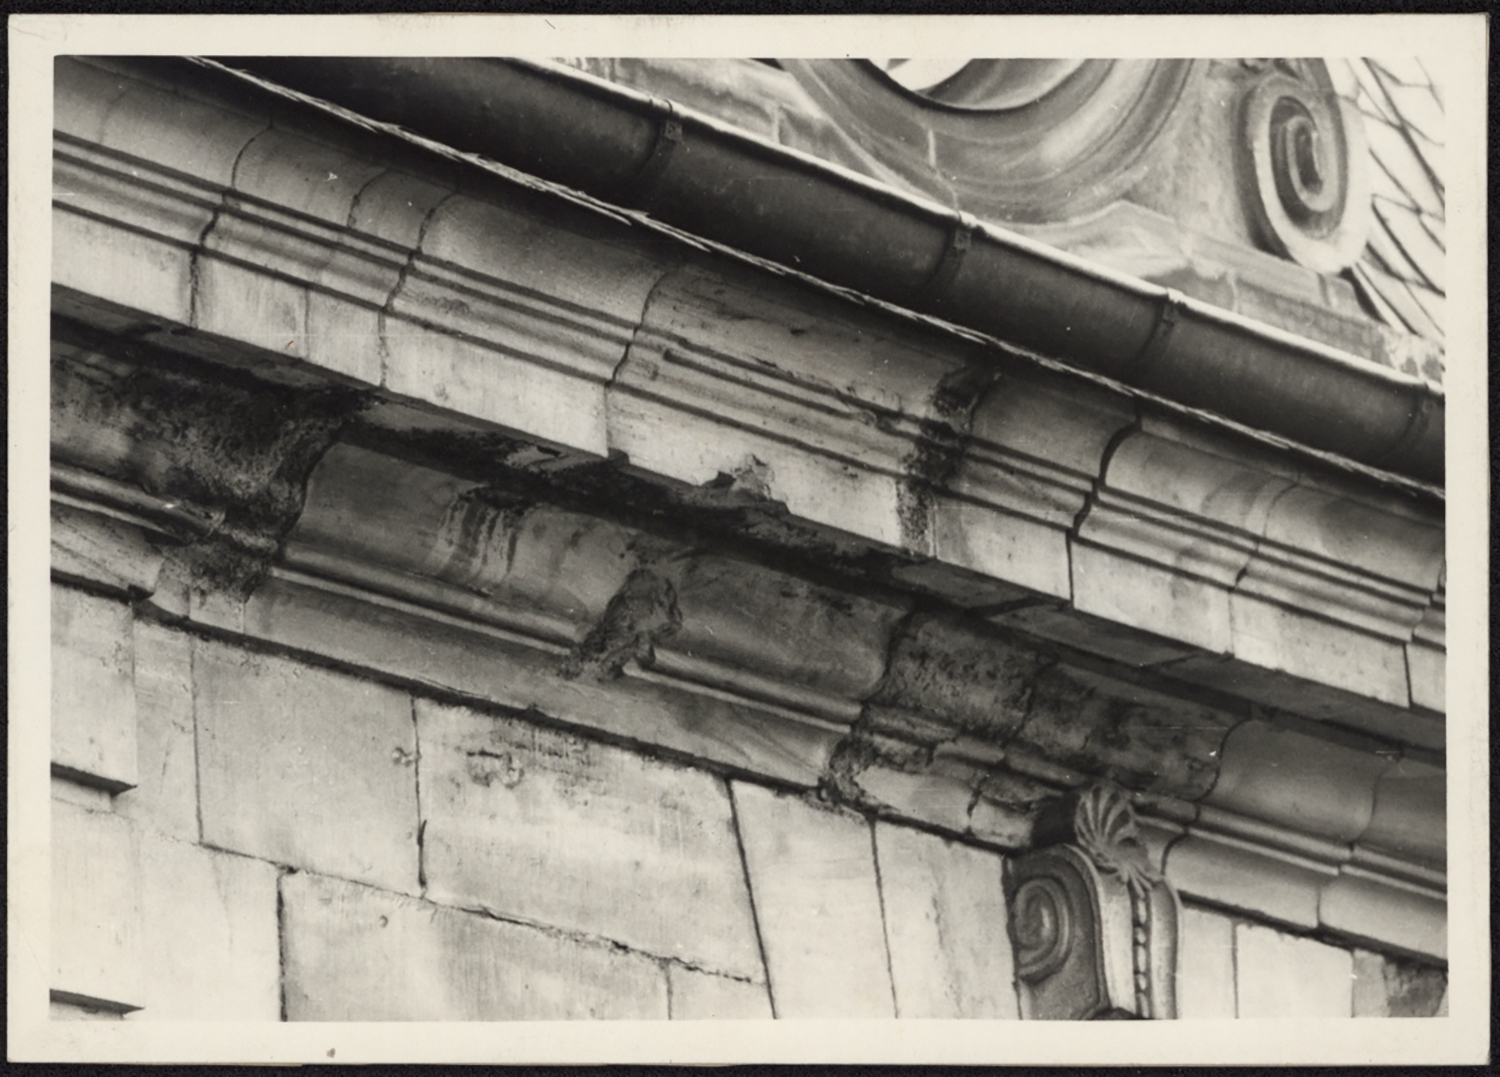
(694, 540)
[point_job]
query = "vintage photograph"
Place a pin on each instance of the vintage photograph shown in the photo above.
(602, 537)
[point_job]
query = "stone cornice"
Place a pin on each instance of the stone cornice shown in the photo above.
(695, 373)
(459, 587)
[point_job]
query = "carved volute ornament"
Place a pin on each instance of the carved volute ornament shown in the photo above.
(1303, 163)
(1092, 923)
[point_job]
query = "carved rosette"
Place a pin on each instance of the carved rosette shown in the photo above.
(1092, 923)
(1305, 165)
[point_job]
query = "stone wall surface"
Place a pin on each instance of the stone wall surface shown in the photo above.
(344, 850)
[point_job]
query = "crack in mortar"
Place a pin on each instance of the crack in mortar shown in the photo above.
(195, 270)
(382, 318)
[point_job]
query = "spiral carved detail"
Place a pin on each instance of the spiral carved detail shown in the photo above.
(1042, 922)
(1309, 191)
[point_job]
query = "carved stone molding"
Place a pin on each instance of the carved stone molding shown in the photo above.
(1305, 166)
(1092, 922)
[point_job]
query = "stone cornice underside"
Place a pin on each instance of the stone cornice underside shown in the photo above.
(776, 506)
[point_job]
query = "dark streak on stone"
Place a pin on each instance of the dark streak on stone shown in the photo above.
(640, 615)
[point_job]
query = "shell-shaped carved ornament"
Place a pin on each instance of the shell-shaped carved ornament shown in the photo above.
(1307, 173)
(1105, 828)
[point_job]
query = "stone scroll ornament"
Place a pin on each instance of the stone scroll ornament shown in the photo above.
(1304, 164)
(1093, 925)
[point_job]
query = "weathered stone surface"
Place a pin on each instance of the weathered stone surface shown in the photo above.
(181, 150)
(817, 903)
(1369, 985)
(166, 796)
(354, 953)
(1280, 975)
(940, 794)
(1410, 817)
(102, 550)
(1035, 448)
(210, 948)
(1283, 776)
(1273, 637)
(96, 907)
(942, 668)
(306, 767)
(552, 308)
(403, 643)
(1006, 809)
(93, 689)
(749, 616)
(1139, 738)
(1205, 970)
(945, 921)
(1369, 908)
(1387, 987)
(235, 450)
(549, 827)
(1228, 873)
(700, 996)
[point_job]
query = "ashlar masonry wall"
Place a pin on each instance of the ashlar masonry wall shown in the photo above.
(306, 844)
(311, 845)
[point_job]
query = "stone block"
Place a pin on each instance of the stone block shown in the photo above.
(1376, 911)
(1279, 975)
(817, 904)
(96, 908)
(1224, 872)
(1205, 964)
(305, 767)
(1311, 785)
(1388, 987)
(1287, 641)
(183, 131)
(1427, 671)
(549, 827)
(354, 953)
(945, 920)
(294, 287)
(290, 171)
(940, 795)
(751, 617)
(1149, 597)
(165, 798)
(699, 996)
(1410, 817)
(1369, 985)
(209, 935)
(102, 550)
(670, 436)
(553, 309)
(434, 651)
(93, 689)
(968, 531)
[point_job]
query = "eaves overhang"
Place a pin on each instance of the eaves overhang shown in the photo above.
(716, 182)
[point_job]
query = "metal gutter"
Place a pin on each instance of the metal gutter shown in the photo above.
(709, 179)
